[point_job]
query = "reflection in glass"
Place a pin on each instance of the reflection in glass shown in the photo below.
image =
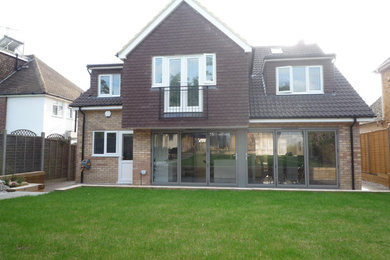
(174, 82)
(193, 81)
(222, 157)
(158, 71)
(165, 158)
(260, 158)
(98, 143)
(299, 76)
(322, 158)
(127, 147)
(315, 78)
(291, 169)
(209, 67)
(193, 158)
(105, 85)
(116, 84)
(284, 79)
(111, 142)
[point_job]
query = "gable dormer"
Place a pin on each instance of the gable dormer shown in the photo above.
(105, 79)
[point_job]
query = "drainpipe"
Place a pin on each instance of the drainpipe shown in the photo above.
(82, 144)
(352, 155)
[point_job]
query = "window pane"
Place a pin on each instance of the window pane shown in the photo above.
(98, 143)
(111, 142)
(165, 158)
(299, 76)
(284, 79)
(174, 72)
(261, 158)
(222, 157)
(158, 71)
(174, 80)
(193, 158)
(209, 67)
(193, 81)
(105, 85)
(315, 78)
(116, 84)
(127, 147)
(291, 169)
(322, 158)
(55, 109)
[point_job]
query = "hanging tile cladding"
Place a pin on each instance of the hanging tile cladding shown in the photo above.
(186, 32)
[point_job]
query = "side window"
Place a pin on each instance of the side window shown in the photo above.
(109, 85)
(57, 108)
(104, 143)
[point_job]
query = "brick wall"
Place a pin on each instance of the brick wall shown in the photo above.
(7, 65)
(3, 112)
(386, 94)
(142, 155)
(104, 169)
(344, 147)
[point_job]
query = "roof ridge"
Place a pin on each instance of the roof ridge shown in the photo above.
(40, 74)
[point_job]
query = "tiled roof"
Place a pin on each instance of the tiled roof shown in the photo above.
(35, 77)
(88, 99)
(343, 102)
(377, 109)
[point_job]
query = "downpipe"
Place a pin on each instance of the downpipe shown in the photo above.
(82, 145)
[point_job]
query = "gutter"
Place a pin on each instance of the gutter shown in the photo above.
(352, 155)
(82, 144)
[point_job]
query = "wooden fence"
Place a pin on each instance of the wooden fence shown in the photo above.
(19, 153)
(375, 156)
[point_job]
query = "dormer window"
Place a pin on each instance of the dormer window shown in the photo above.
(299, 80)
(109, 85)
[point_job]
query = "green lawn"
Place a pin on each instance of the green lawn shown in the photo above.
(108, 223)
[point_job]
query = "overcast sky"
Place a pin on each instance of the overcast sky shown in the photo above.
(68, 35)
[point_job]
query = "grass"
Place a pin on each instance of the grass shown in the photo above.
(108, 223)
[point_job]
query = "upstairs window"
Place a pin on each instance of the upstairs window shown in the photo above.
(58, 108)
(299, 80)
(189, 70)
(109, 85)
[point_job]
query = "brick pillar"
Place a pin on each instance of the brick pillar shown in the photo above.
(3, 112)
(141, 156)
(385, 75)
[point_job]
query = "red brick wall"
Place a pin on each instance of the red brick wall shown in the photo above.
(7, 65)
(3, 112)
(186, 32)
(386, 93)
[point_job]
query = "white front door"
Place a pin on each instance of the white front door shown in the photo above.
(125, 168)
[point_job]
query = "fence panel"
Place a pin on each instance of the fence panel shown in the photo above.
(24, 154)
(375, 157)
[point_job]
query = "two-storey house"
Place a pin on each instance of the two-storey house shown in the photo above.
(194, 104)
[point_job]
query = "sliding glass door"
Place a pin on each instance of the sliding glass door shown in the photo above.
(204, 158)
(293, 158)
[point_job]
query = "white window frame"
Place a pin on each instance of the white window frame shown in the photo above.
(58, 104)
(105, 154)
(308, 91)
(202, 69)
(111, 76)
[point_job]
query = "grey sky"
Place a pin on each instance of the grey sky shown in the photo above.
(68, 35)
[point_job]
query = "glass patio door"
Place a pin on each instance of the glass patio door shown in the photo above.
(193, 157)
(222, 157)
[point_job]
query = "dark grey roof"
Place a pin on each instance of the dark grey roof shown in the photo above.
(88, 99)
(35, 77)
(377, 108)
(342, 103)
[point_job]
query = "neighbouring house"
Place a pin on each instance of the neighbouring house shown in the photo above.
(381, 107)
(33, 96)
(375, 135)
(194, 104)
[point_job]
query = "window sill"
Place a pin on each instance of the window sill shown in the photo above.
(105, 155)
(297, 93)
